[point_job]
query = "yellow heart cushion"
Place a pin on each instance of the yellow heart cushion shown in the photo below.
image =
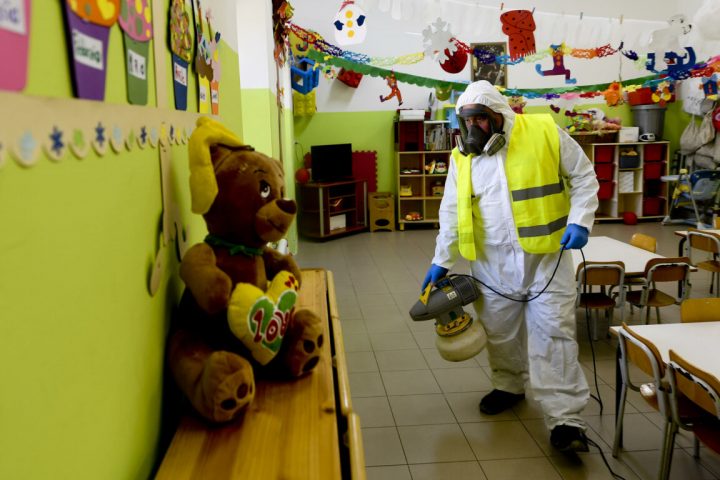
(260, 319)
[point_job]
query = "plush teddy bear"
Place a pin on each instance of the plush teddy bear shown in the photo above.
(237, 316)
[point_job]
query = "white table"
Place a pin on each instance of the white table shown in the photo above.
(606, 249)
(698, 343)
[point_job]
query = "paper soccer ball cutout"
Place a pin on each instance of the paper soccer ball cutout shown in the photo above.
(350, 27)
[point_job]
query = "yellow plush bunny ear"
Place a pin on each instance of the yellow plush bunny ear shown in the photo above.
(203, 186)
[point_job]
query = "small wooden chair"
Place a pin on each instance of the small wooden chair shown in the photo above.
(668, 269)
(690, 384)
(700, 310)
(709, 243)
(600, 274)
(646, 242)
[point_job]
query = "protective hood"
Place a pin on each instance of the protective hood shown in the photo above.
(483, 93)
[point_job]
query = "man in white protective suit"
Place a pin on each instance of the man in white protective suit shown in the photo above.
(511, 208)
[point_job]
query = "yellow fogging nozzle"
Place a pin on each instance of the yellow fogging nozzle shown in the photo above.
(426, 294)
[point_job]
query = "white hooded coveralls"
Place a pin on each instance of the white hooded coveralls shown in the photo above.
(532, 341)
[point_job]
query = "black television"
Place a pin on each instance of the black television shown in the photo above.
(331, 163)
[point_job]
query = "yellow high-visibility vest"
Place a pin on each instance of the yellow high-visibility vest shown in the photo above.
(540, 202)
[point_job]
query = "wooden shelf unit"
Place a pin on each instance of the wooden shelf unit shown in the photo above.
(630, 182)
(330, 209)
(419, 185)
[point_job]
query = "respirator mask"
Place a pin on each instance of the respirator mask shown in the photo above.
(473, 139)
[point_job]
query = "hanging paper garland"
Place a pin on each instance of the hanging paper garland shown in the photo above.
(558, 65)
(350, 28)
(136, 22)
(26, 150)
(116, 139)
(14, 43)
(394, 90)
(100, 140)
(439, 45)
(142, 137)
(181, 47)
(89, 23)
(519, 26)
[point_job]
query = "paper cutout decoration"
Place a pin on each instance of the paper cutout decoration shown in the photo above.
(3, 156)
(439, 45)
(181, 47)
(142, 137)
(117, 141)
(663, 93)
(282, 13)
(350, 28)
(443, 92)
(707, 19)
(26, 150)
(710, 86)
(558, 56)
(217, 71)
(55, 146)
(394, 90)
(206, 47)
(517, 103)
(613, 95)
(89, 23)
(519, 26)
(130, 140)
(100, 141)
(78, 145)
(665, 42)
(14, 42)
(136, 22)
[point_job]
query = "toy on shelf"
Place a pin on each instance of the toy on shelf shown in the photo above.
(406, 191)
(440, 167)
(237, 318)
(413, 216)
(438, 189)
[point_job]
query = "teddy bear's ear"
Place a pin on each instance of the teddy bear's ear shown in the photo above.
(203, 186)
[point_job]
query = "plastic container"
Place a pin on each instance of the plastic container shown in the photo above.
(653, 170)
(653, 206)
(606, 189)
(629, 161)
(654, 152)
(650, 119)
(604, 171)
(604, 153)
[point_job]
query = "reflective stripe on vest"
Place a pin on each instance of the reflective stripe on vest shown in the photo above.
(540, 202)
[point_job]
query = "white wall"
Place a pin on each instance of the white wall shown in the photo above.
(255, 44)
(394, 28)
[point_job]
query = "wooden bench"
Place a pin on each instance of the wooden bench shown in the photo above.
(299, 429)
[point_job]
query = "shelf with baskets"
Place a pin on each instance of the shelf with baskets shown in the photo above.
(422, 161)
(629, 175)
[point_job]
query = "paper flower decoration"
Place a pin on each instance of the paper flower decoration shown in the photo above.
(136, 23)
(519, 26)
(613, 95)
(89, 23)
(439, 45)
(181, 46)
(663, 93)
(350, 28)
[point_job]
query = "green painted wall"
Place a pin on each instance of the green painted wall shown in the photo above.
(81, 340)
(374, 131)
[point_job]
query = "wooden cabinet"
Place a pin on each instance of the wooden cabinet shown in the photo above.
(422, 161)
(630, 178)
(332, 208)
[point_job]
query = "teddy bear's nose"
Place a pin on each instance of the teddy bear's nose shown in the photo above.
(287, 206)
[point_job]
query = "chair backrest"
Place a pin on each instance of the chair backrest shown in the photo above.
(600, 273)
(641, 352)
(699, 386)
(706, 241)
(646, 242)
(700, 310)
(667, 269)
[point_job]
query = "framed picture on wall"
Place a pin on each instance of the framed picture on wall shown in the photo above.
(494, 73)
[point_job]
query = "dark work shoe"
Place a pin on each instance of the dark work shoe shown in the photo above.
(567, 438)
(498, 401)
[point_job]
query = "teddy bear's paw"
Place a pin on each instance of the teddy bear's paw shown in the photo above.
(304, 344)
(228, 385)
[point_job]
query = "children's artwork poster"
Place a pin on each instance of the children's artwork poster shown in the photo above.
(14, 42)
(181, 45)
(203, 65)
(495, 73)
(88, 23)
(136, 22)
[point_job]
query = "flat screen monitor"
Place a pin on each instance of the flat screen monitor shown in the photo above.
(331, 163)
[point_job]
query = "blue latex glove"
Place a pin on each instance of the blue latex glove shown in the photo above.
(574, 237)
(435, 273)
